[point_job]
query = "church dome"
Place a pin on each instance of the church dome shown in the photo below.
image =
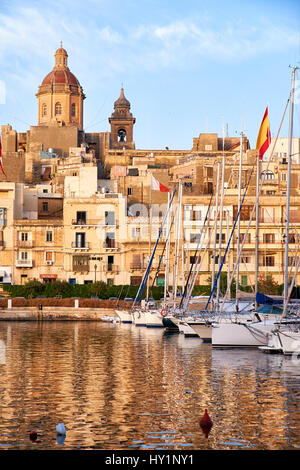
(60, 77)
(60, 73)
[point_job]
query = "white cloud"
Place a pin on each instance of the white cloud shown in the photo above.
(29, 38)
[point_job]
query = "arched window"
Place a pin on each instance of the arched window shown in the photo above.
(73, 109)
(44, 109)
(58, 108)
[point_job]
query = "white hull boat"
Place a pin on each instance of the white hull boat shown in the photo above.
(124, 315)
(203, 330)
(153, 318)
(139, 318)
(186, 329)
(242, 334)
(290, 342)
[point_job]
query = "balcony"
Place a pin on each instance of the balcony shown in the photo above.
(80, 246)
(80, 268)
(25, 243)
(137, 266)
(85, 222)
(111, 268)
(24, 263)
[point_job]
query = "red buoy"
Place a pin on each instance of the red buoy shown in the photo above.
(33, 435)
(206, 423)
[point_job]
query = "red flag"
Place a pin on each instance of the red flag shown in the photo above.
(157, 186)
(1, 161)
(264, 135)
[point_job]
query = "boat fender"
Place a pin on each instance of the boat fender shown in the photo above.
(164, 312)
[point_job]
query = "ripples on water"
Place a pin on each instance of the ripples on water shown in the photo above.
(118, 387)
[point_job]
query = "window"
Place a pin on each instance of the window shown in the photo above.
(44, 110)
(24, 236)
(136, 232)
(49, 256)
(110, 263)
(196, 214)
(49, 236)
(45, 206)
(283, 176)
(244, 280)
(58, 108)
(109, 218)
(24, 255)
(269, 261)
(80, 240)
(218, 237)
(292, 238)
(269, 237)
(248, 237)
(245, 259)
(73, 110)
(110, 240)
(209, 171)
(267, 175)
(2, 216)
(267, 214)
(244, 213)
(81, 217)
(194, 237)
(129, 191)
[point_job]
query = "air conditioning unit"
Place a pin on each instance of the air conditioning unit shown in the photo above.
(49, 262)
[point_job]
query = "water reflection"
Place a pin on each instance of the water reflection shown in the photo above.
(122, 387)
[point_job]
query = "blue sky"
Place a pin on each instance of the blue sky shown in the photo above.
(186, 67)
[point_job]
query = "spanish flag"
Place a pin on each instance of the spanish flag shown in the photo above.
(264, 135)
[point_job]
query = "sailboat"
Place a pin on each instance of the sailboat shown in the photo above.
(142, 308)
(285, 337)
(259, 331)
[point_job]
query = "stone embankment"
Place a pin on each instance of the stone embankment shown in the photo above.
(59, 309)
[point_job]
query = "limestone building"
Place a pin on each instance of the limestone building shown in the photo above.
(79, 207)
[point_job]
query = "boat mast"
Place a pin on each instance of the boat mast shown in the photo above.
(150, 230)
(221, 219)
(178, 232)
(288, 191)
(167, 264)
(239, 225)
(215, 227)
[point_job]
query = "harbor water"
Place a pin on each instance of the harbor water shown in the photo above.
(122, 387)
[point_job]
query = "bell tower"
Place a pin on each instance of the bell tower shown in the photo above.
(121, 122)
